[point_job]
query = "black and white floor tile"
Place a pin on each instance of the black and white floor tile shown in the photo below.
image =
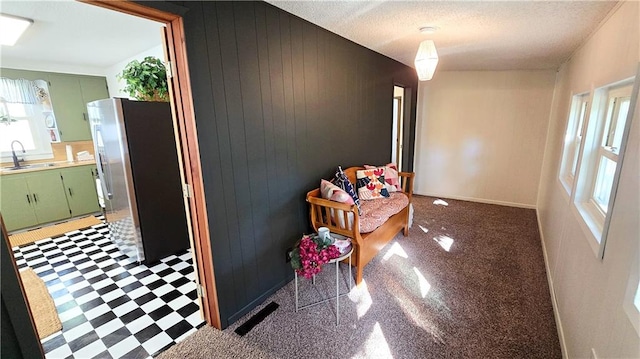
(109, 305)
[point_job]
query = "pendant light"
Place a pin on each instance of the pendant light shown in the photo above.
(426, 60)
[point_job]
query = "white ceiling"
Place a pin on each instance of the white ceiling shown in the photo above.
(473, 35)
(479, 35)
(72, 33)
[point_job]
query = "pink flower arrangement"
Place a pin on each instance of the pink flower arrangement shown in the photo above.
(311, 253)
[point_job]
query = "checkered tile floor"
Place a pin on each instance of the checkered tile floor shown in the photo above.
(109, 305)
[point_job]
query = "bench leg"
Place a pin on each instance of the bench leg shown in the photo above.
(405, 232)
(359, 270)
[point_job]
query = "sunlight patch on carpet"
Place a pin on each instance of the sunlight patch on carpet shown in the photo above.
(376, 345)
(439, 202)
(361, 298)
(414, 309)
(395, 249)
(444, 241)
(422, 281)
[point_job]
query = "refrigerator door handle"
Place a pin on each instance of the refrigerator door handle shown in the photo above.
(106, 186)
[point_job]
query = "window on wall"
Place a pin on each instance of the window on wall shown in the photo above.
(25, 113)
(611, 139)
(594, 143)
(573, 140)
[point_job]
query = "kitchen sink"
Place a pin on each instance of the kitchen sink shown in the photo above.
(30, 166)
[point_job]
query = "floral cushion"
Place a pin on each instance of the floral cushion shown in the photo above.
(375, 213)
(370, 183)
(391, 178)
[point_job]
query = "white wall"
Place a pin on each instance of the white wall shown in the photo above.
(590, 292)
(116, 86)
(481, 134)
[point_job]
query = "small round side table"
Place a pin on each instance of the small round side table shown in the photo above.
(337, 261)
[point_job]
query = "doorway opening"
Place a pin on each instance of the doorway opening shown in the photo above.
(397, 132)
(128, 276)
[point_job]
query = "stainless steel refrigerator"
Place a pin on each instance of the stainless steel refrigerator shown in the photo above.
(139, 177)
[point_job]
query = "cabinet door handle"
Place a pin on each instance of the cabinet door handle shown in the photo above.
(28, 199)
(84, 116)
(70, 194)
(35, 197)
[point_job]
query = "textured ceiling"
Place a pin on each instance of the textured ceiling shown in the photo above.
(485, 35)
(73, 33)
(473, 35)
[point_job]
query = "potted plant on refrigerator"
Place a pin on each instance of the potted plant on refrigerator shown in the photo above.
(146, 80)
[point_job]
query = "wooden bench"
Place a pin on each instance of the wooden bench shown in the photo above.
(366, 245)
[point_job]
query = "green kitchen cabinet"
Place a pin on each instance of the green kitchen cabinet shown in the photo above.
(68, 106)
(48, 195)
(80, 189)
(16, 203)
(70, 95)
(33, 198)
(93, 88)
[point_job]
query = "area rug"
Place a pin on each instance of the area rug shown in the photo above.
(23, 238)
(42, 306)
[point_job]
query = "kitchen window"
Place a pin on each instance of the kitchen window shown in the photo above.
(25, 116)
(594, 145)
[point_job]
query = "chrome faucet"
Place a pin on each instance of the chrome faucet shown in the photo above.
(16, 162)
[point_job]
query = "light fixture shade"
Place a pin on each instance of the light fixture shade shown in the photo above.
(426, 60)
(11, 28)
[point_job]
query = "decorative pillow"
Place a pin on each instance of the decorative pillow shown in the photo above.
(334, 193)
(391, 178)
(342, 181)
(370, 183)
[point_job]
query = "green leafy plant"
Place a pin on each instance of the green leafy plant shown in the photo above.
(146, 80)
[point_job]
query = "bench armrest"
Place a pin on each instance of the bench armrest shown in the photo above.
(340, 218)
(406, 181)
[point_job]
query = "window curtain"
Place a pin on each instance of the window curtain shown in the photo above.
(19, 91)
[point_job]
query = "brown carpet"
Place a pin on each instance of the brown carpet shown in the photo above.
(210, 343)
(468, 282)
(42, 306)
(23, 238)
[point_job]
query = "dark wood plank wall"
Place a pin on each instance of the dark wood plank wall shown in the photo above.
(279, 103)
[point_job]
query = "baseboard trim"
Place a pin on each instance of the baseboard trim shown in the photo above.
(552, 292)
(481, 200)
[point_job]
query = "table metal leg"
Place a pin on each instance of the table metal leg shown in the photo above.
(337, 297)
(337, 292)
(350, 279)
